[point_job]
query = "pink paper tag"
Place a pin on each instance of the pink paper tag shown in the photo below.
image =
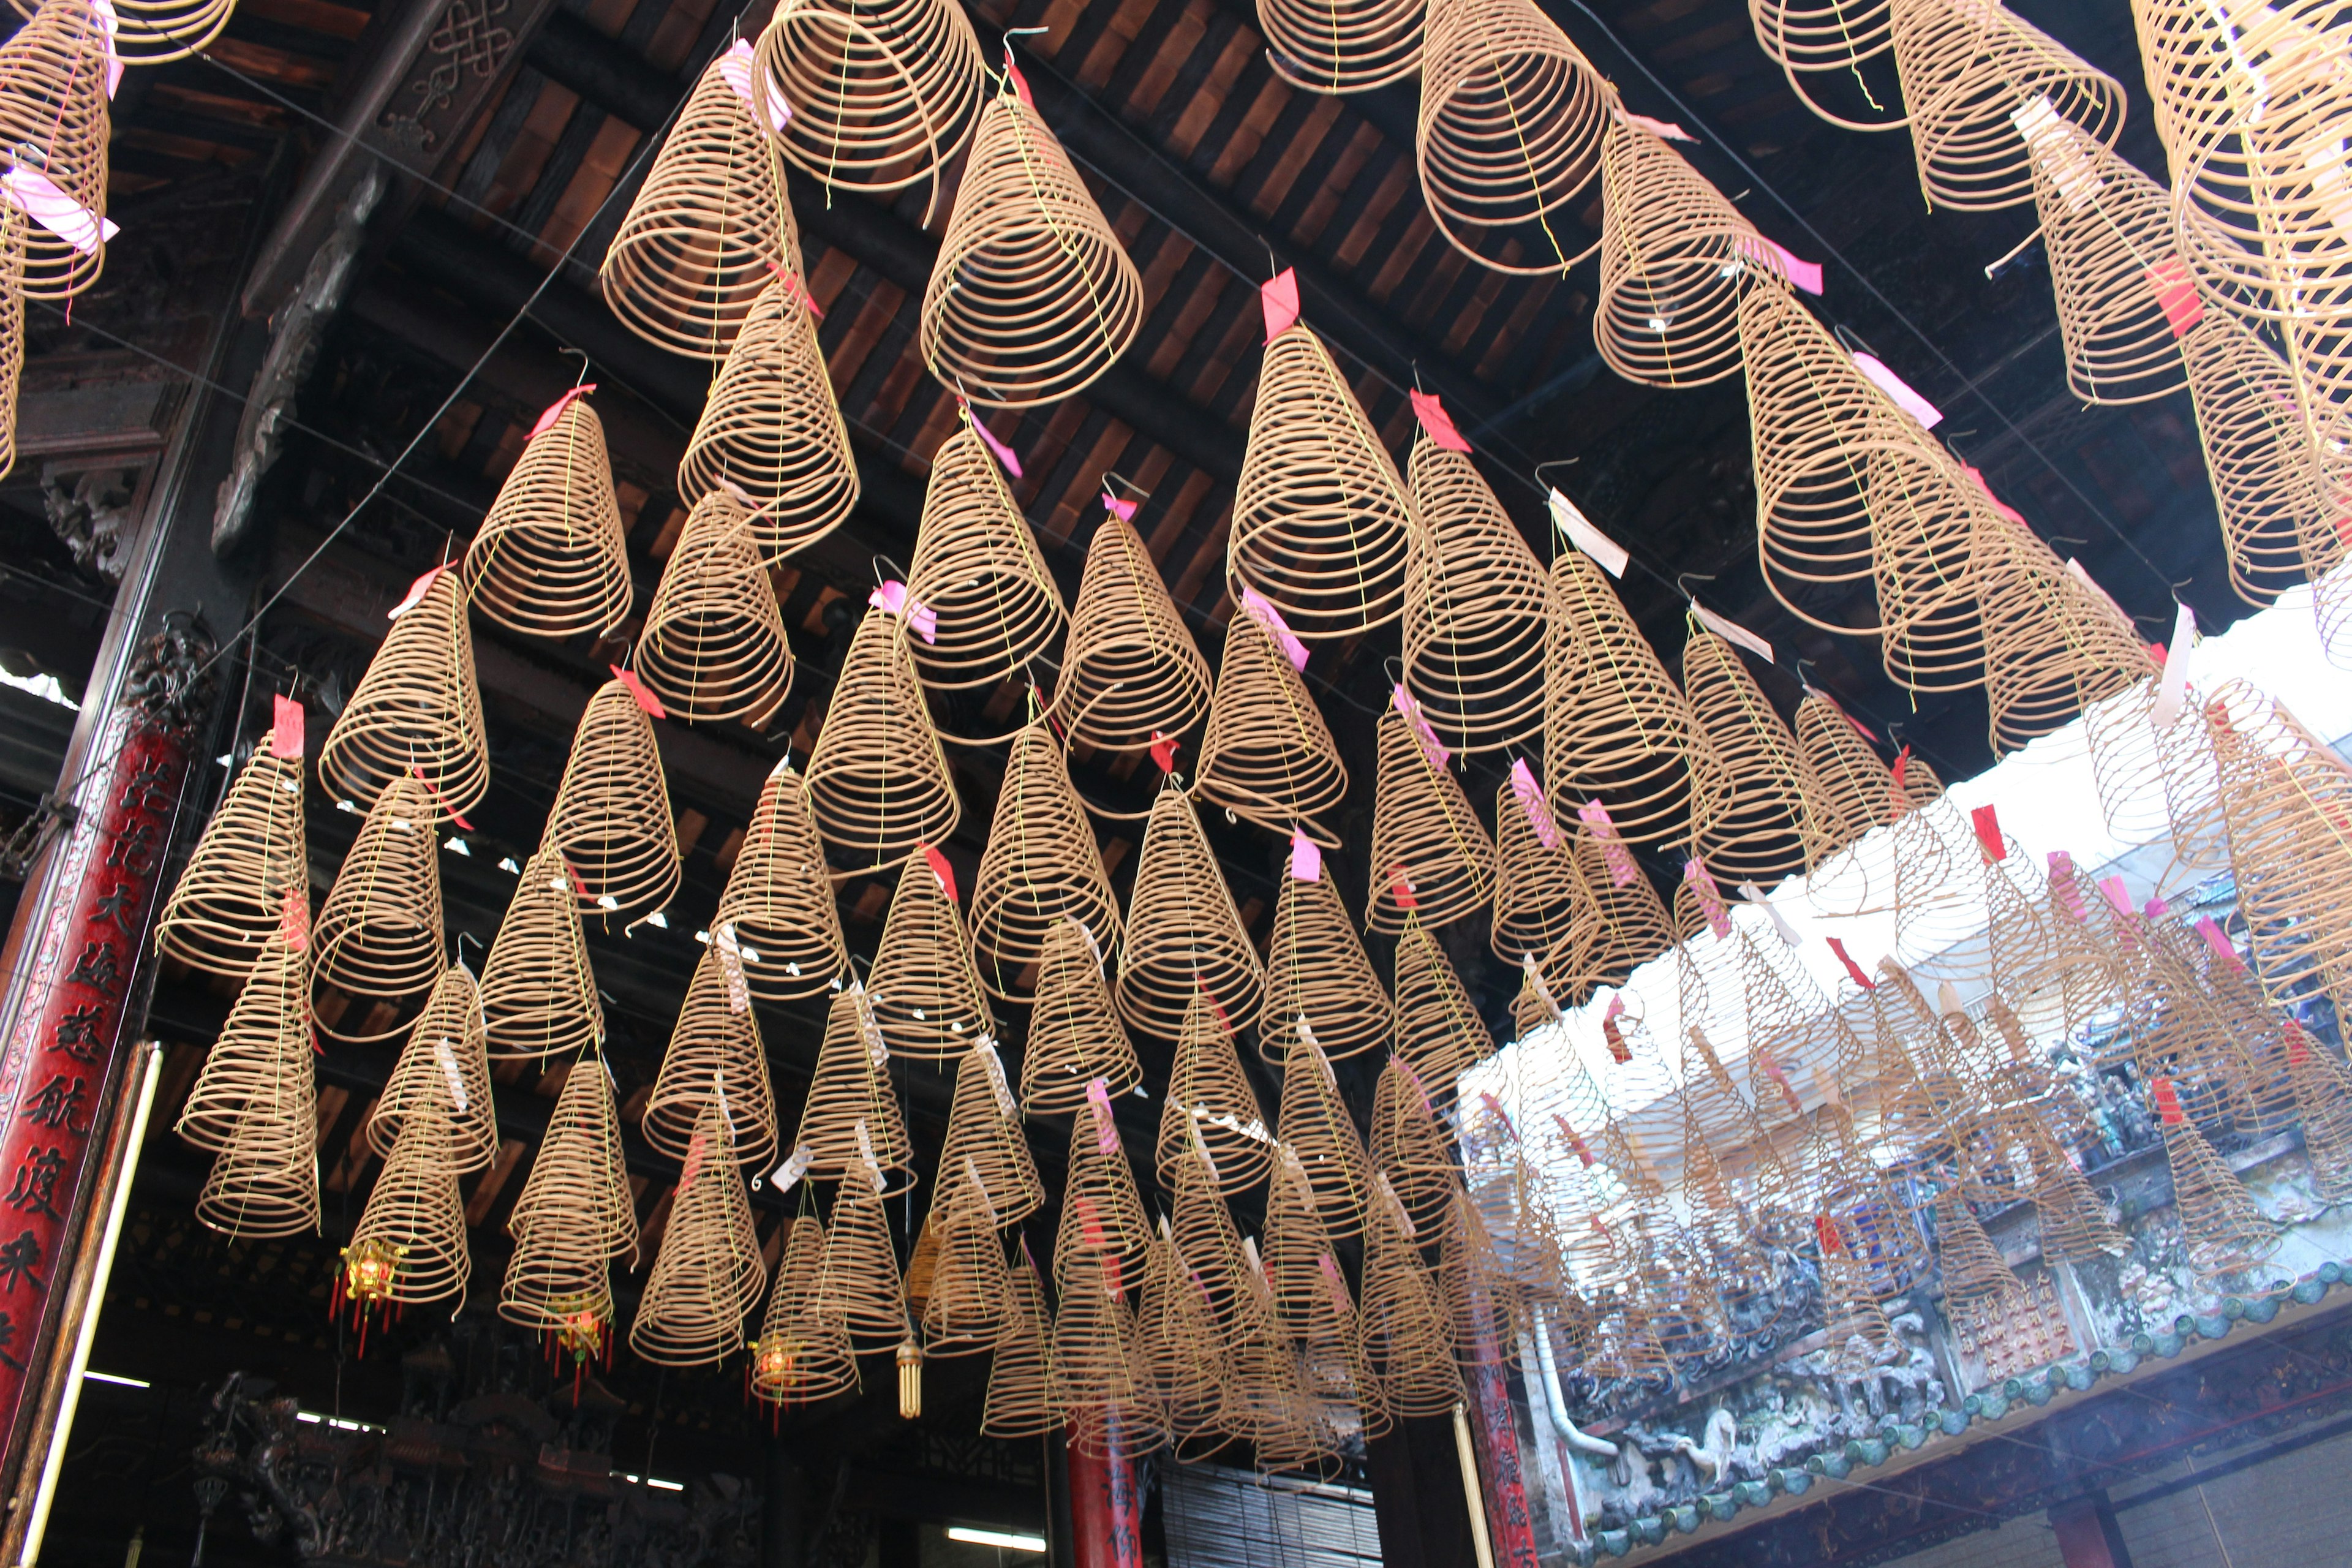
(1261, 609)
(1105, 1131)
(2219, 940)
(1495, 1108)
(988, 439)
(2156, 909)
(294, 919)
(1430, 746)
(1999, 505)
(1987, 821)
(1278, 296)
(1856, 725)
(697, 1151)
(1436, 422)
(284, 729)
(1837, 946)
(1619, 1050)
(1531, 801)
(1122, 509)
(1895, 387)
(1801, 273)
(1709, 896)
(104, 11)
(555, 409)
(1305, 858)
(2061, 885)
(1613, 852)
(941, 870)
(416, 592)
(1664, 129)
(794, 287)
(2176, 295)
(1575, 1141)
(2118, 896)
(736, 67)
(892, 597)
(1336, 1284)
(648, 703)
(34, 194)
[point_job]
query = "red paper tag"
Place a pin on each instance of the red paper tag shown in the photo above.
(695, 1152)
(1574, 1142)
(1278, 298)
(2298, 1045)
(941, 870)
(1987, 821)
(579, 885)
(1901, 790)
(1163, 750)
(1090, 1223)
(1619, 1051)
(1839, 709)
(646, 701)
(294, 919)
(416, 592)
(2176, 295)
(1214, 1007)
(2168, 1103)
(1500, 1114)
(1826, 1231)
(1838, 946)
(1401, 888)
(1436, 422)
(418, 774)
(555, 409)
(2000, 506)
(1020, 82)
(285, 728)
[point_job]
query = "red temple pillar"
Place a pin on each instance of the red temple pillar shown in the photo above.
(1105, 1510)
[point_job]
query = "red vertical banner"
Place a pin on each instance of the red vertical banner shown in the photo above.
(1510, 1524)
(1106, 1509)
(68, 1028)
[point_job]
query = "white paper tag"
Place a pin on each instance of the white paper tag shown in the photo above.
(730, 966)
(870, 1029)
(2173, 690)
(794, 1167)
(1755, 895)
(972, 1175)
(1396, 1211)
(1732, 632)
(449, 1060)
(993, 1064)
(1607, 553)
(865, 1157)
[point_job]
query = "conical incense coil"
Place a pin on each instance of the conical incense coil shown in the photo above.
(1816, 423)
(1874, 1230)
(2273, 487)
(1102, 1234)
(1268, 754)
(1210, 1103)
(1341, 48)
(1923, 521)
(923, 986)
(1074, 1035)
(409, 1247)
(539, 994)
(378, 937)
(2288, 800)
(803, 1354)
(985, 1149)
(714, 1060)
(418, 712)
(770, 433)
(1476, 605)
(443, 1071)
(1512, 119)
(1628, 921)
(561, 1286)
(54, 87)
(1320, 985)
(1189, 1361)
(1322, 525)
(1432, 863)
(2042, 956)
(1831, 40)
(2225, 1231)
(708, 228)
(779, 900)
(1715, 1111)
(1542, 911)
(714, 645)
(1032, 297)
(708, 1272)
(1616, 727)
(1675, 259)
(611, 821)
(1409, 1148)
(1183, 934)
(1020, 1376)
(259, 1066)
(2323, 1098)
(1796, 1041)
(965, 1310)
(1041, 868)
(265, 1181)
(877, 778)
(579, 1183)
(995, 608)
(1404, 1345)
(1131, 670)
(1439, 1034)
(1859, 1337)
(12, 226)
(1968, 67)
(1973, 1272)
(2229, 1034)
(882, 93)
(851, 1114)
(2125, 298)
(2074, 1217)
(157, 32)
(1670, 1273)
(550, 558)
(1852, 793)
(1210, 1249)
(1472, 1289)
(1751, 820)
(858, 1285)
(1102, 1386)
(2052, 646)
(249, 874)
(1316, 1129)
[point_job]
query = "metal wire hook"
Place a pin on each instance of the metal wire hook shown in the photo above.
(1682, 581)
(1553, 463)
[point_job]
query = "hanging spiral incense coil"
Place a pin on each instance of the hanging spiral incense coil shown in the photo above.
(1041, 868)
(1189, 1360)
(1312, 1309)
(705, 228)
(1268, 754)
(1826, 39)
(803, 1354)
(1210, 1100)
(978, 570)
(1131, 670)
(1675, 259)
(265, 1181)
(578, 1190)
(1409, 1145)
(858, 1283)
(1019, 1377)
(249, 868)
(770, 433)
(1472, 1289)
(2042, 956)
(779, 900)
(2273, 484)
(849, 1093)
(1320, 985)
(55, 121)
(259, 1065)
(1923, 523)
(1752, 820)
(1974, 1274)
(1542, 911)
(1512, 119)
(611, 822)
(2053, 646)
(1316, 1128)
(417, 711)
(539, 994)
(1404, 1345)
(2225, 1231)
(2323, 1098)
(2123, 740)
(2074, 1224)
(2125, 298)
(1815, 425)
(1102, 1386)
(714, 645)
(964, 1312)
(378, 935)
(1032, 297)
(1968, 67)
(882, 92)
(877, 779)
(924, 988)
(2287, 798)
(443, 1071)
(415, 1220)
(1432, 863)
(1335, 48)
(1616, 727)
(1844, 1180)
(157, 32)
(549, 559)
(985, 1157)
(1102, 1235)
(1074, 1035)
(1628, 922)
(1322, 525)
(714, 1058)
(1438, 1031)
(13, 229)
(1184, 937)
(1475, 607)
(1852, 794)
(709, 1273)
